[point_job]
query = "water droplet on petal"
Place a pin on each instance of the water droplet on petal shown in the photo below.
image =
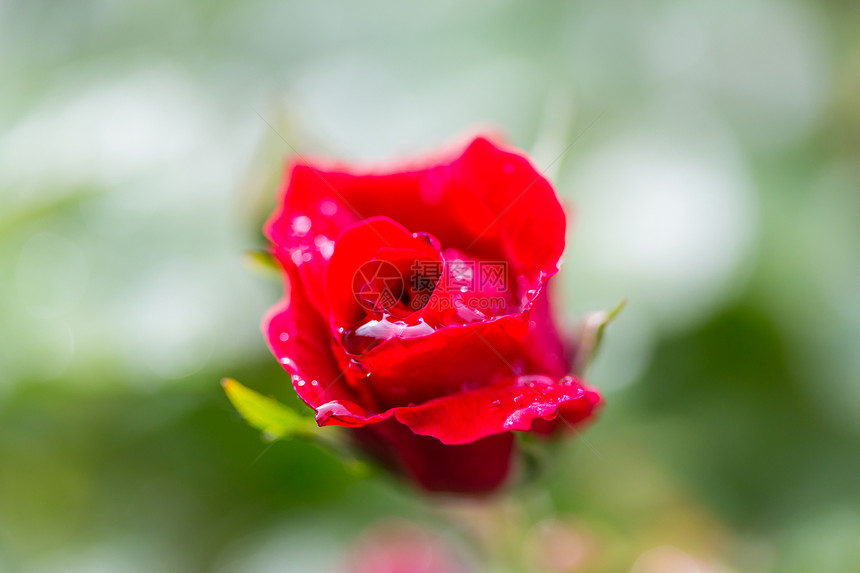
(328, 208)
(325, 246)
(359, 368)
(330, 409)
(374, 332)
(301, 225)
(495, 404)
(284, 336)
(426, 237)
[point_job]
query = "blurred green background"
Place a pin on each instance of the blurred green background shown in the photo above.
(714, 181)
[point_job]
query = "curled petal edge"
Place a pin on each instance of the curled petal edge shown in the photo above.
(514, 405)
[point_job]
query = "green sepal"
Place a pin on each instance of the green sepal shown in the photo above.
(591, 335)
(263, 262)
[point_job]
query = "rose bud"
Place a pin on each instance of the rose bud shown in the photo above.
(416, 310)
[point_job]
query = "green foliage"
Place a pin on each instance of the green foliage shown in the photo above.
(273, 419)
(263, 262)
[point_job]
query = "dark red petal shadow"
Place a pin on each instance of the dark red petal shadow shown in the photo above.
(475, 468)
(548, 351)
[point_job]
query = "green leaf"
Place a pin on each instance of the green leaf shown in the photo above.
(591, 335)
(274, 419)
(263, 262)
(277, 421)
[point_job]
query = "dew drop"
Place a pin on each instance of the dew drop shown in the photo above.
(325, 246)
(359, 368)
(328, 208)
(301, 225)
(284, 336)
(374, 332)
(518, 398)
(495, 404)
(426, 237)
(330, 409)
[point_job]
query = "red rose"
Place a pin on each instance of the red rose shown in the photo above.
(416, 310)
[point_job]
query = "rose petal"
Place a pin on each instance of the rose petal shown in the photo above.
(309, 217)
(474, 468)
(511, 405)
(548, 353)
(471, 290)
(503, 408)
(300, 339)
(411, 370)
(489, 202)
(357, 247)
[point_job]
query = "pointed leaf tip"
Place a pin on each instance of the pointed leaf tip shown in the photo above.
(263, 262)
(591, 334)
(273, 419)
